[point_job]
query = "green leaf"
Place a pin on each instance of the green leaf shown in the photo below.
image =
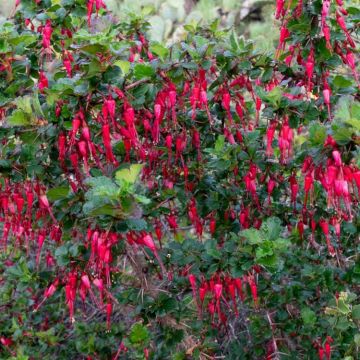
(272, 227)
(36, 105)
(308, 316)
(317, 133)
(58, 193)
(128, 175)
(342, 112)
(94, 67)
(343, 323)
(211, 249)
(138, 334)
(159, 50)
(341, 82)
(273, 97)
(143, 71)
(356, 312)
(264, 251)
(82, 88)
(18, 118)
(93, 49)
(357, 339)
(355, 123)
(142, 199)
(343, 307)
(24, 39)
(91, 209)
(355, 110)
(136, 224)
(24, 103)
(253, 236)
(234, 41)
(343, 135)
(123, 65)
(220, 143)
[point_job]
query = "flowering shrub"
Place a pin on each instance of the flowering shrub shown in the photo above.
(199, 201)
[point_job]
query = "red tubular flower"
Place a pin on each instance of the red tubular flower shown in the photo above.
(308, 185)
(43, 81)
(202, 292)
(253, 289)
(336, 224)
(148, 241)
(269, 139)
(218, 291)
(337, 157)
(300, 227)
(6, 341)
(192, 280)
(50, 291)
(326, 32)
(218, 294)
(239, 112)
(46, 35)
(226, 99)
(328, 343)
(44, 202)
(270, 187)
(325, 11)
(309, 66)
(294, 188)
(90, 6)
(107, 143)
(40, 242)
(280, 10)
(356, 177)
(258, 104)
(99, 4)
(84, 154)
(19, 200)
(85, 281)
(68, 67)
(121, 348)
(196, 141)
(231, 290)
(212, 225)
(350, 60)
(169, 144)
(75, 127)
(109, 308)
(238, 284)
(326, 95)
(229, 136)
(100, 285)
(50, 261)
(341, 22)
(330, 141)
(70, 293)
(110, 106)
(158, 231)
(325, 228)
(61, 148)
(85, 132)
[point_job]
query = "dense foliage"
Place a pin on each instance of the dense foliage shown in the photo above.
(167, 17)
(199, 201)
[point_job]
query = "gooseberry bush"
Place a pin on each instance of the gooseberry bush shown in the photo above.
(198, 201)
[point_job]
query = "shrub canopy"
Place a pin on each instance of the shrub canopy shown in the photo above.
(187, 202)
